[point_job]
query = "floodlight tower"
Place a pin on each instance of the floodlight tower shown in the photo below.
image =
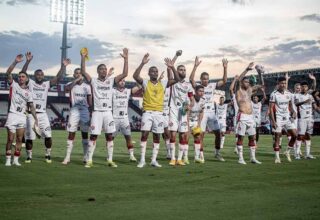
(67, 12)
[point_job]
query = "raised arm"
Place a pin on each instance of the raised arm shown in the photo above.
(69, 86)
(135, 89)
(233, 84)
(225, 71)
(169, 71)
(264, 97)
(83, 54)
(197, 62)
(58, 77)
(314, 82)
(260, 71)
(287, 80)
(18, 59)
(125, 66)
(170, 65)
(136, 74)
(249, 68)
(256, 88)
(29, 57)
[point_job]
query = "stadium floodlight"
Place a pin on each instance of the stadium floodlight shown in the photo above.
(67, 12)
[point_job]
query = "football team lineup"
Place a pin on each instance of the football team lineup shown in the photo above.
(172, 106)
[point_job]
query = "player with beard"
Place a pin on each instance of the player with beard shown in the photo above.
(39, 89)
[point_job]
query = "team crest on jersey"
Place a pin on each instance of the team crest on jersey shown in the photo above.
(160, 124)
(184, 124)
(111, 123)
(92, 127)
(170, 123)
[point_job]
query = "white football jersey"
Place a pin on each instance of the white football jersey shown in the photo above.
(222, 112)
(19, 98)
(304, 111)
(120, 102)
(181, 91)
(166, 99)
(257, 108)
(102, 94)
(39, 94)
(79, 95)
(281, 101)
(196, 109)
(209, 96)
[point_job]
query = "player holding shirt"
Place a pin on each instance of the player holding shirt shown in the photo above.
(102, 118)
(39, 89)
(121, 96)
(80, 102)
(20, 101)
(305, 105)
(153, 98)
(280, 103)
(210, 120)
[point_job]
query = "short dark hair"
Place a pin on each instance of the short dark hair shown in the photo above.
(281, 79)
(304, 83)
(180, 66)
(199, 87)
(100, 65)
(204, 74)
(38, 70)
(21, 72)
(151, 67)
(76, 69)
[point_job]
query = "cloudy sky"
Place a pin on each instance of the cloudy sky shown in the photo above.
(281, 35)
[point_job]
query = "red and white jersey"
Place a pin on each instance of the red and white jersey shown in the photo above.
(166, 99)
(19, 98)
(209, 96)
(222, 112)
(196, 109)
(39, 94)
(304, 111)
(120, 102)
(181, 91)
(79, 95)
(281, 101)
(102, 94)
(256, 109)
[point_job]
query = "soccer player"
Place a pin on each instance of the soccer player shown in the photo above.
(209, 118)
(257, 108)
(120, 101)
(80, 102)
(20, 101)
(39, 89)
(195, 117)
(245, 118)
(305, 105)
(181, 100)
(221, 110)
(153, 98)
(102, 118)
(280, 103)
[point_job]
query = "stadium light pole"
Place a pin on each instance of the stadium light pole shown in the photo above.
(67, 12)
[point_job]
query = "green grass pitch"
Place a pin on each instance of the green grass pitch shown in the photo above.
(214, 190)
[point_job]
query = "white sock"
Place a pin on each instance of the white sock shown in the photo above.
(308, 147)
(48, 151)
(197, 151)
(143, 146)
(131, 152)
(16, 159)
(91, 148)
(155, 151)
(8, 157)
(253, 153)
(69, 149)
(168, 147)
(289, 149)
(298, 148)
(85, 146)
(240, 151)
(180, 152)
(277, 154)
(186, 150)
(217, 151)
(222, 142)
(280, 141)
(29, 153)
(110, 150)
(201, 155)
(173, 151)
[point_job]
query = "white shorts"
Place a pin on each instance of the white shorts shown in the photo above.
(223, 125)
(152, 121)
(177, 121)
(102, 121)
(44, 126)
(15, 121)
(245, 125)
(192, 124)
(284, 123)
(209, 121)
(78, 117)
(257, 121)
(305, 126)
(122, 126)
(165, 120)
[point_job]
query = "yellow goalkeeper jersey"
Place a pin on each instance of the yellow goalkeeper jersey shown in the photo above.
(153, 95)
